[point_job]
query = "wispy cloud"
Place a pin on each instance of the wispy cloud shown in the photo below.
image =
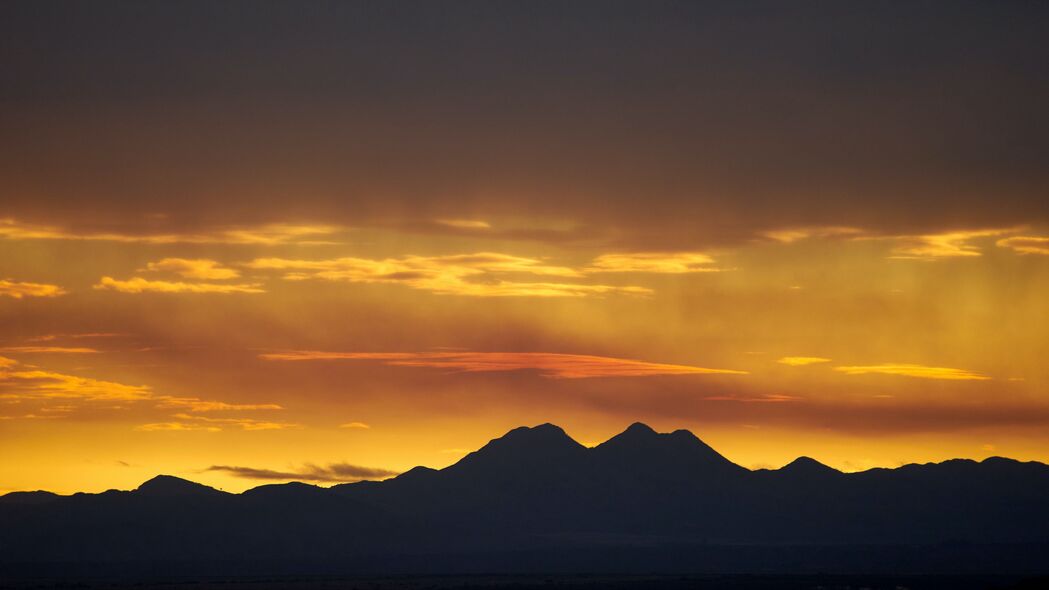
(40, 384)
(1026, 244)
(654, 262)
(769, 398)
(140, 285)
(788, 235)
(330, 473)
(49, 350)
(199, 405)
(480, 275)
(242, 423)
(86, 335)
(360, 425)
(20, 382)
(548, 364)
(265, 234)
(800, 361)
(194, 268)
(909, 370)
(464, 223)
(953, 244)
(176, 427)
(18, 290)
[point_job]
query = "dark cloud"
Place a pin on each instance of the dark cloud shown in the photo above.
(664, 124)
(332, 472)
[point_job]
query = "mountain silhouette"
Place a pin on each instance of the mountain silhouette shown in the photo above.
(536, 500)
(168, 486)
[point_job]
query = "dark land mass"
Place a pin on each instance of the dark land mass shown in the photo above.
(534, 502)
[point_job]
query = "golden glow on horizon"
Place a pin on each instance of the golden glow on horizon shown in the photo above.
(104, 388)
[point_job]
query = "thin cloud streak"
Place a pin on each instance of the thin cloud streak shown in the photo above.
(909, 370)
(139, 285)
(265, 234)
(330, 473)
(548, 364)
(801, 361)
(1026, 244)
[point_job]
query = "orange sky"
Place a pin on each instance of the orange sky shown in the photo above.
(339, 243)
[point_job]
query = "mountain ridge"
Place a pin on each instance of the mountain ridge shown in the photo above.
(551, 437)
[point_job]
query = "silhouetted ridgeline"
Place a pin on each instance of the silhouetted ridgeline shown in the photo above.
(535, 500)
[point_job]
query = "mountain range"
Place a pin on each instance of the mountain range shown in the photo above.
(535, 500)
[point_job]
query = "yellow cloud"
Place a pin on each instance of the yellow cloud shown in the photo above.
(266, 234)
(199, 268)
(1026, 244)
(548, 364)
(29, 384)
(952, 244)
(140, 285)
(799, 361)
(18, 290)
(654, 262)
(909, 370)
(475, 275)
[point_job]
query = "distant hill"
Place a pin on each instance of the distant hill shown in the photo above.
(535, 500)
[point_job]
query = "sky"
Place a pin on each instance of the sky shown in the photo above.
(252, 242)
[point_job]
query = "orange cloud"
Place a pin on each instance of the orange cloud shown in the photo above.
(266, 234)
(654, 262)
(198, 405)
(18, 290)
(1026, 244)
(548, 364)
(800, 361)
(198, 268)
(920, 371)
(49, 349)
(140, 285)
(770, 398)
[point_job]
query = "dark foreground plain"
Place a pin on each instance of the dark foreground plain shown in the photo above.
(573, 582)
(537, 503)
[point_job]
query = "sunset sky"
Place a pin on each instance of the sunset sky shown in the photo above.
(252, 242)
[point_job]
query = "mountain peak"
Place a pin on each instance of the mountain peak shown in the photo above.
(537, 445)
(639, 428)
(807, 465)
(169, 485)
